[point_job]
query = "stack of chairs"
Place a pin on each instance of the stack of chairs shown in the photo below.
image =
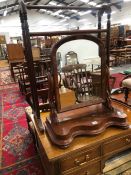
(85, 83)
(41, 75)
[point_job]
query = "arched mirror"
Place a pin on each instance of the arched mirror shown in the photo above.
(81, 80)
(82, 100)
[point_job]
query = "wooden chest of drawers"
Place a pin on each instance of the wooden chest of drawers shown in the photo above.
(80, 159)
(117, 144)
(88, 169)
(85, 156)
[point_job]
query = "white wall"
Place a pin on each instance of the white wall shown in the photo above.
(87, 51)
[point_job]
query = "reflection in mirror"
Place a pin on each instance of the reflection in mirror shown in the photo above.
(71, 58)
(80, 71)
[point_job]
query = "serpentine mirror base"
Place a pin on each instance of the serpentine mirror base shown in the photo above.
(94, 120)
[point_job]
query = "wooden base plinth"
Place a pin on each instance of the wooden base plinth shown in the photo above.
(62, 133)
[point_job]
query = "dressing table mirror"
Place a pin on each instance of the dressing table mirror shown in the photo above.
(82, 105)
(91, 111)
(78, 79)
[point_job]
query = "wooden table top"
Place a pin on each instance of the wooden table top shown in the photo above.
(54, 152)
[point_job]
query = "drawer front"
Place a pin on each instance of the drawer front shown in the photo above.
(90, 169)
(80, 158)
(117, 144)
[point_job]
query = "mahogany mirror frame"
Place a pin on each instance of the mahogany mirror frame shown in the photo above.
(52, 125)
(104, 72)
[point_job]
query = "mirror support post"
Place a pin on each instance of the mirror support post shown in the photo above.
(108, 35)
(99, 24)
(108, 11)
(30, 65)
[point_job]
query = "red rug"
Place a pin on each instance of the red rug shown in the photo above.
(12, 97)
(18, 154)
(27, 167)
(8, 86)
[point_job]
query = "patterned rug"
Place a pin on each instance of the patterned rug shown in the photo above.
(5, 76)
(18, 155)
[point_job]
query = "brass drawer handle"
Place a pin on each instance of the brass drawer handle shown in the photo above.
(128, 140)
(78, 163)
(87, 157)
(87, 173)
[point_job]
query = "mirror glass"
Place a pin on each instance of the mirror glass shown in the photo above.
(79, 72)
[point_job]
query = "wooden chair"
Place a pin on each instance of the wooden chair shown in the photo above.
(22, 76)
(41, 83)
(128, 55)
(15, 56)
(45, 66)
(43, 93)
(123, 57)
(126, 85)
(36, 53)
(84, 83)
(68, 74)
(46, 51)
(96, 84)
(88, 86)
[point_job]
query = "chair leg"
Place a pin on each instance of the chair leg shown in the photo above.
(126, 90)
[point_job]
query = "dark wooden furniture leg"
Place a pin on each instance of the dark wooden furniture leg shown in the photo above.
(126, 90)
(12, 72)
